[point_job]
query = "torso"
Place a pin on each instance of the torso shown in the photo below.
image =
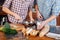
(45, 7)
(21, 8)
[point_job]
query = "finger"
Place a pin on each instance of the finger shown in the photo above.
(40, 16)
(41, 26)
(38, 28)
(18, 19)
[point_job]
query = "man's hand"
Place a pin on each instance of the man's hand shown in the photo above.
(17, 17)
(41, 25)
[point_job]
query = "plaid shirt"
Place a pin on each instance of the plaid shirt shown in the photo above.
(20, 7)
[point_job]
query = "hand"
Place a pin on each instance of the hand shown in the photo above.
(41, 25)
(31, 19)
(39, 16)
(17, 17)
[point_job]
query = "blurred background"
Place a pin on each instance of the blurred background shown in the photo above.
(1, 2)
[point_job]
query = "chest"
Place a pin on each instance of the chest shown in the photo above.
(21, 3)
(45, 3)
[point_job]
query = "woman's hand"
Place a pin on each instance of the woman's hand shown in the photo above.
(41, 25)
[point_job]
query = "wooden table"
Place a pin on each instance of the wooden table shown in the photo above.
(37, 37)
(2, 36)
(30, 37)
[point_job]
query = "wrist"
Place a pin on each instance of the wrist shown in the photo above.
(45, 22)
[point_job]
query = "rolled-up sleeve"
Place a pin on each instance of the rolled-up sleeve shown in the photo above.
(7, 3)
(31, 5)
(56, 8)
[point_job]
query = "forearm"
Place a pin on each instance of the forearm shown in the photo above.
(37, 10)
(30, 14)
(6, 10)
(36, 7)
(50, 19)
